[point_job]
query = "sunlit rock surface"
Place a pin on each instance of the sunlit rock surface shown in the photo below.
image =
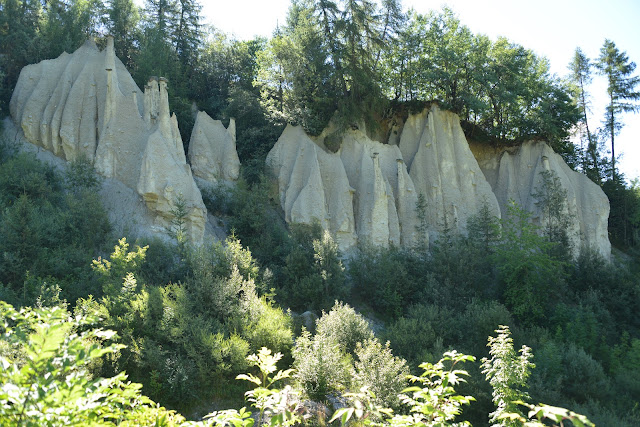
(368, 192)
(515, 173)
(87, 104)
(212, 150)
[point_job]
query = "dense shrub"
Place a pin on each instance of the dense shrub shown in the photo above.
(187, 341)
(344, 355)
(50, 228)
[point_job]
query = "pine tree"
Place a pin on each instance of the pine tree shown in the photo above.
(580, 68)
(623, 95)
(19, 25)
(122, 21)
(186, 34)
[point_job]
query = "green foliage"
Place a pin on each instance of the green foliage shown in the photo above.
(624, 218)
(385, 278)
(437, 401)
(49, 377)
(186, 341)
(526, 268)
(321, 368)
(379, 371)
(255, 222)
(327, 59)
(47, 228)
(545, 413)
(434, 402)
(423, 226)
(345, 356)
(313, 276)
(277, 405)
(121, 264)
(621, 88)
(551, 200)
(507, 373)
(580, 76)
(178, 224)
(345, 327)
(500, 89)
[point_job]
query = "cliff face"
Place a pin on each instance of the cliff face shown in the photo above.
(212, 150)
(516, 174)
(368, 191)
(87, 104)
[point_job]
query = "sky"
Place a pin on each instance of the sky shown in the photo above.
(551, 28)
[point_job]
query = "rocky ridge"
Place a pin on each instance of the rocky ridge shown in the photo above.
(367, 192)
(87, 104)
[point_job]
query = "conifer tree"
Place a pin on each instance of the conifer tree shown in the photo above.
(20, 21)
(580, 68)
(122, 21)
(187, 31)
(623, 95)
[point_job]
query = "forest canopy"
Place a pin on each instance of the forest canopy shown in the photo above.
(352, 61)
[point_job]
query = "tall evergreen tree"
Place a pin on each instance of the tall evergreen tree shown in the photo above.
(122, 20)
(68, 24)
(20, 22)
(623, 95)
(186, 34)
(580, 68)
(161, 14)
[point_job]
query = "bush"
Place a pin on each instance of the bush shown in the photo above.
(46, 229)
(377, 369)
(48, 377)
(321, 368)
(345, 327)
(387, 279)
(313, 276)
(323, 362)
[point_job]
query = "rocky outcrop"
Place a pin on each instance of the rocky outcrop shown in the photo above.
(444, 169)
(212, 150)
(516, 174)
(369, 191)
(87, 104)
(313, 185)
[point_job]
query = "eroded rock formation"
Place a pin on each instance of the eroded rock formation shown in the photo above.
(515, 174)
(368, 191)
(87, 104)
(212, 150)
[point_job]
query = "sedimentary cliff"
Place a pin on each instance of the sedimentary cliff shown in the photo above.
(87, 104)
(212, 150)
(515, 173)
(368, 191)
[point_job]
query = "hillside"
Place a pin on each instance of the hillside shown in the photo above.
(314, 195)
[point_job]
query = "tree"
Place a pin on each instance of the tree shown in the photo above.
(48, 377)
(326, 60)
(580, 76)
(507, 372)
(122, 21)
(187, 33)
(68, 24)
(20, 22)
(551, 199)
(526, 267)
(621, 88)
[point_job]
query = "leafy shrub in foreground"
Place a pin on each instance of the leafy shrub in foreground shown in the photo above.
(47, 379)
